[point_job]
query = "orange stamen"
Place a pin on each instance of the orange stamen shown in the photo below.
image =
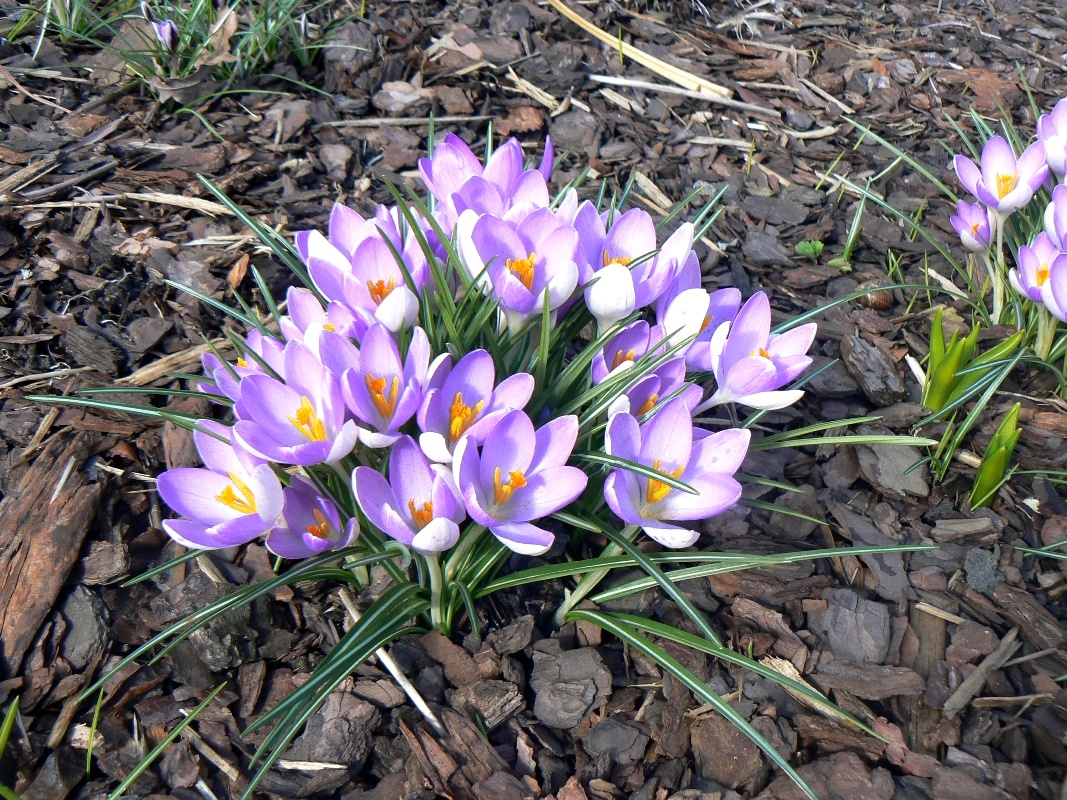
(657, 490)
(523, 268)
(321, 530)
(1041, 275)
(245, 504)
(461, 416)
(1005, 184)
(307, 421)
(648, 405)
(621, 358)
(379, 290)
(610, 259)
(502, 491)
(422, 516)
(329, 327)
(376, 387)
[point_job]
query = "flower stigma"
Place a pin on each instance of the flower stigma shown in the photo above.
(523, 269)
(376, 387)
(461, 416)
(502, 491)
(307, 421)
(422, 516)
(245, 504)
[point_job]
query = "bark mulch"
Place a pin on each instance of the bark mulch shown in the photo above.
(951, 655)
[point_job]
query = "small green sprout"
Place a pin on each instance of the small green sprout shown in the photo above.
(810, 249)
(994, 472)
(954, 368)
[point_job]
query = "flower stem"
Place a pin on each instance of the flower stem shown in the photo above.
(590, 580)
(1046, 332)
(398, 674)
(467, 541)
(437, 593)
(997, 274)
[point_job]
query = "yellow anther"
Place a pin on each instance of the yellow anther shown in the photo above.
(1005, 184)
(523, 268)
(610, 259)
(1041, 275)
(622, 357)
(320, 530)
(379, 290)
(329, 327)
(707, 321)
(461, 416)
(502, 491)
(245, 504)
(307, 421)
(657, 490)
(422, 516)
(648, 405)
(376, 387)
(241, 362)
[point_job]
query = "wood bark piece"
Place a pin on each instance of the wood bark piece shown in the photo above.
(41, 536)
(976, 680)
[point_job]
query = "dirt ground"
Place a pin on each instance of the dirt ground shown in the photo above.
(951, 655)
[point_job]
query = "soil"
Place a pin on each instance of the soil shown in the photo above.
(951, 655)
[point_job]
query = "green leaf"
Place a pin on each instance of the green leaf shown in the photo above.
(157, 751)
(170, 564)
(691, 682)
(915, 441)
(633, 466)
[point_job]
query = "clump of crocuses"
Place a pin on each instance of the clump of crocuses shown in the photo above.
(1022, 208)
(478, 374)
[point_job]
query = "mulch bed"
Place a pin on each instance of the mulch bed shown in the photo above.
(950, 655)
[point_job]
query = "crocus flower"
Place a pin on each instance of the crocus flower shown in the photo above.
(369, 282)
(167, 34)
(1003, 183)
(456, 177)
(751, 365)
(625, 348)
(972, 224)
(1056, 217)
(310, 525)
(419, 505)
(1041, 266)
(465, 400)
(723, 305)
(630, 243)
(301, 421)
(269, 359)
(307, 320)
(383, 391)
(231, 502)
(664, 381)
(522, 261)
(1055, 295)
(1052, 132)
(666, 444)
(518, 477)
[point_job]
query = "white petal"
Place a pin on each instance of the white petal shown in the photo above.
(399, 310)
(610, 297)
(685, 315)
(435, 447)
(439, 534)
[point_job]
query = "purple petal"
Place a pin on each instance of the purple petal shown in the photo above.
(968, 173)
(668, 437)
(748, 332)
(522, 537)
(623, 494)
(553, 443)
(721, 452)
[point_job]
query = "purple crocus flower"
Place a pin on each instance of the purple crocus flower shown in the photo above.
(231, 502)
(456, 177)
(369, 281)
(228, 377)
(519, 477)
(301, 421)
(1054, 291)
(625, 348)
(1004, 184)
(522, 261)
(167, 34)
(1056, 217)
(643, 396)
(723, 306)
(307, 320)
(1052, 132)
(751, 365)
(419, 505)
(1032, 278)
(311, 523)
(384, 391)
(666, 444)
(972, 224)
(465, 400)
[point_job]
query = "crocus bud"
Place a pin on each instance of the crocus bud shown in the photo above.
(146, 12)
(167, 33)
(610, 295)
